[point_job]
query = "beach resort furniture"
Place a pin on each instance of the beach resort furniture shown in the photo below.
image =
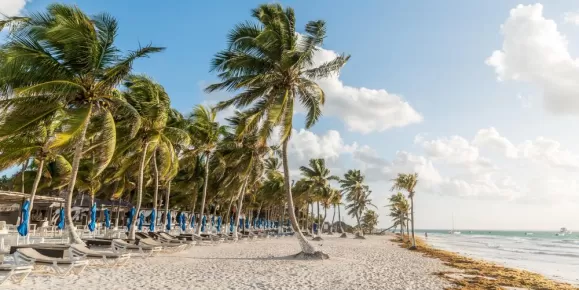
(61, 266)
(108, 258)
(145, 251)
(46, 249)
(99, 242)
(165, 237)
(168, 247)
(14, 272)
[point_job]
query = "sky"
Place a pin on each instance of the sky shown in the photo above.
(478, 97)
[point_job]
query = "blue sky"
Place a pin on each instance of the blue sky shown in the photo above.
(433, 56)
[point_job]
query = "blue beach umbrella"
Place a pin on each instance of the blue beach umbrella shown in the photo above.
(253, 223)
(247, 223)
(231, 225)
(107, 218)
(153, 221)
(183, 222)
(23, 227)
(92, 223)
(169, 220)
(219, 224)
(61, 219)
(212, 221)
(193, 221)
(240, 223)
(203, 223)
(141, 219)
(130, 219)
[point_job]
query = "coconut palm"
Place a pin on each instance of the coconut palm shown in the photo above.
(65, 56)
(317, 178)
(407, 182)
(205, 133)
(270, 66)
(369, 221)
(155, 139)
(399, 208)
(357, 194)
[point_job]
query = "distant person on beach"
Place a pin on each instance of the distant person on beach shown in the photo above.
(426, 235)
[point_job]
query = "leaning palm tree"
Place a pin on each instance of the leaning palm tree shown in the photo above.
(205, 133)
(399, 208)
(407, 182)
(317, 178)
(271, 67)
(357, 194)
(63, 55)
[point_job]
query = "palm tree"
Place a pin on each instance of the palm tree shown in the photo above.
(206, 133)
(65, 56)
(317, 178)
(369, 221)
(399, 211)
(407, 182)
(270, 66)
(357, 194)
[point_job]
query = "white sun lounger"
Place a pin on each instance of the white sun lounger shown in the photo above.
(108, 258)
(16, 273)
(121, 247)
(60, 266)
(168, 247)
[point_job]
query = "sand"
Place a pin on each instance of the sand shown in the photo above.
(374, 263)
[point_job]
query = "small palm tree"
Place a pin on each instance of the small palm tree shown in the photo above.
(399, 208)
(369, 221)
(270, 66)
(407, 182)
(206, 134)
(65, 56)
(357, 194)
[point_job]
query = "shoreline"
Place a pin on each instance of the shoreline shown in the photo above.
(473, 273)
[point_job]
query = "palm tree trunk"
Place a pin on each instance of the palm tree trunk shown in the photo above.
(359, 226)
(318, 218)
(307, 217)
(324, 220)
(156, 192)
(239, 205)
(307, 248)
(24, 165)
(333, 219)
(167, 196)
(228, 216)
(205, 182)
(412, 220)
(139, 191)
(196, 195)
(74, 238)
(340, 221)
(313, 219)
(34, 187)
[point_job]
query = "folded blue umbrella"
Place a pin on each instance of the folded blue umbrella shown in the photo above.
(130, 219)
(141, 219)
(92, 223)
(212, 221)
(183, 222)
(231, 225)
(240, 223)
(193, 221)
(153, 221)
(61, 219)
(169, 220)
(247, 223)
(203, 223)
(219, 224)
(23, 227)
(107, 218)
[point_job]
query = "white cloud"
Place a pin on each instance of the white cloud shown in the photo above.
(305, 145)
(491, 138)
(363, 110)
(12, 7)
(535, 51)
(454, 149)
(571, 17)
(525, 101)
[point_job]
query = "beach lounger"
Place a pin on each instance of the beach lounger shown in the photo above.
(169, 247)
(165, 237)
(108, 258)
(119, 246)
(61, 266)
(16, 273)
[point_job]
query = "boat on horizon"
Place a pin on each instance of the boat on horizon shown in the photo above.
(453, 232)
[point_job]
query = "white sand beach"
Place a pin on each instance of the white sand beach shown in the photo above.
(374, 263)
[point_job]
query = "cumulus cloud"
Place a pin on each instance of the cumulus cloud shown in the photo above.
(454, 149)
(12, 7)
(492, 139)
(571, 17)
(363, 110)
(305, 145)
(535, 51)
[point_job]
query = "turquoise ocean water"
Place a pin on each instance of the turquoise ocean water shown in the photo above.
(556, 256)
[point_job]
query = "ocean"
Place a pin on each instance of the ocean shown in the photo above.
(541, 252)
